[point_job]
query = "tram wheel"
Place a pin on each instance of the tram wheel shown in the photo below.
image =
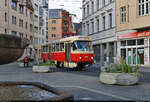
(58, 65)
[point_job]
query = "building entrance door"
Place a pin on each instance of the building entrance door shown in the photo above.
(135, 56)
(140, 56)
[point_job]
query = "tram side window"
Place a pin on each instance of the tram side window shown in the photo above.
(74, 46)
(62, 47)
(57, 47)
(53, 47)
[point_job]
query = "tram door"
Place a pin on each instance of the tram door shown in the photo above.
(68, 52)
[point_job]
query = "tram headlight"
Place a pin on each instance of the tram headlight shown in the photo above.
(80, 58)
(92, 58)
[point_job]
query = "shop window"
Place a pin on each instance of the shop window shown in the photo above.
(140, 42)
(123, 54)
(123, 43)
(131, 42)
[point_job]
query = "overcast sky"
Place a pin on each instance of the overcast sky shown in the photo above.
(73, 6)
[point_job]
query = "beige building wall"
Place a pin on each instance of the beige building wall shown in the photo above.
(57, 32)
(12, 27)
(133, 21)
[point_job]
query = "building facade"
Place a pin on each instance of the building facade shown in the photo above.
(99, 22)
(16, 18)
(133, 31)
(77, 27)
(40, 24)
(60, 24)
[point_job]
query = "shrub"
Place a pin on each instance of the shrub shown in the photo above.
(122, 67)
(47, 63)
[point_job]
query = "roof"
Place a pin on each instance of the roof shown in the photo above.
(67, 39)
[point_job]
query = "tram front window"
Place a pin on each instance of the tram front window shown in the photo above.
(82, 46)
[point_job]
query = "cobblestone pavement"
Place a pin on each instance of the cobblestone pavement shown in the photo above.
(83, 85)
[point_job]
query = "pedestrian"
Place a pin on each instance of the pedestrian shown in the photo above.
(26, 61)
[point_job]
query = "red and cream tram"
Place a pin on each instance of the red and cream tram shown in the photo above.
(45, 52)
(72, 52)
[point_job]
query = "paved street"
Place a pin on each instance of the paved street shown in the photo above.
(83, 85)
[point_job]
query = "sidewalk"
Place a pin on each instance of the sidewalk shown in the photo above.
(144, 69)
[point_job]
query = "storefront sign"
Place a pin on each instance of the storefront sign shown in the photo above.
(134, 35)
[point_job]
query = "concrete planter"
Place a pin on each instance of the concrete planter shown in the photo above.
(40, 69)
(118, 78)
(31, 91)
(21, 65)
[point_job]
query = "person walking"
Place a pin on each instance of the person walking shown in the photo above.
(26, 61)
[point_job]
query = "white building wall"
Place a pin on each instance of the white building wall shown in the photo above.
(39, 35)
(102, 36)
(109, 8)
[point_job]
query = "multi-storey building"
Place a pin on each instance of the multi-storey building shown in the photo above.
(77, 28)
(99, 22)
(16, 18)
(40, 24)
(60, 24)
(133, 31)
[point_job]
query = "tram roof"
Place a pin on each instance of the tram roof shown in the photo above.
(75, 38)
(72, 38)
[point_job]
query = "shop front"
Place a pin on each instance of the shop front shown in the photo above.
(134, 48)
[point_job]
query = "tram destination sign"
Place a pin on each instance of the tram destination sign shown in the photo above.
(134, 35)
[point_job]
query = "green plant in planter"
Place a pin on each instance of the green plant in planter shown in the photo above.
(31, 60)
(46, 63)
(21, 61)
(122, 67)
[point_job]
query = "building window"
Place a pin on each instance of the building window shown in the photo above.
(87, 10)
(36, 7)
(13, 20)
(21, 9)
(103, 24)
(97, 4)
(53, 21)
(53, 35)
(14, 4)
(123, 14)
(5, 31)
(42, 31)
(14, 33)
(97, 24)
(26, 12)
(83, 12)
(26, 25)
(110, 20)
(20, 23)
(110, 1)
(92, 24)
(87, 29)
(21, 35)
(31, 15)
(103, 3)
(5, 2)
(92, 7)
(31, 28)
(143, 7)
(5, 17)
(36, 40)
(54, 28)
(84, 28)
